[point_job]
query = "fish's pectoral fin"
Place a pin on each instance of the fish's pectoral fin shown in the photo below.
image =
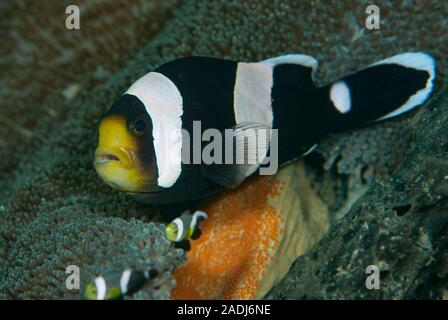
(310, 150)
(244, 149)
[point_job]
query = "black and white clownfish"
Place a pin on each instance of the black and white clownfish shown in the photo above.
(141, 136)
(184, 228)
(115, 286)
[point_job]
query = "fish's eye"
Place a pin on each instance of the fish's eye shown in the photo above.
(138, 127)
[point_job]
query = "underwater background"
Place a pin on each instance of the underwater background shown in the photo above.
(375, 196)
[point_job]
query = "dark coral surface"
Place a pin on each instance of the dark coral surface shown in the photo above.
(399, 225)
(56, 83)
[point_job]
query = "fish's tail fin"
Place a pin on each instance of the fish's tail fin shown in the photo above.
(380, 91)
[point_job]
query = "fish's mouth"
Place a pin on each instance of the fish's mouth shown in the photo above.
(115, 165)
(118, 167)
(105, 158)
(115, 156)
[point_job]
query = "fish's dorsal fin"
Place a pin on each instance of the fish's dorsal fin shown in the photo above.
(296, 59)
(297, 70)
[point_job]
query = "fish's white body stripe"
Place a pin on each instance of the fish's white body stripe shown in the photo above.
(196, 215)
(418, 61)
(340, 96)
(252, 93)
(164, 104)
(101, 288)
(180, 228)
(124, 281)
(252, 97)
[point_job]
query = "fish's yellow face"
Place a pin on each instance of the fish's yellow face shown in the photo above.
(171, 232)
(90, 292)
(115, 155)
(125, 157)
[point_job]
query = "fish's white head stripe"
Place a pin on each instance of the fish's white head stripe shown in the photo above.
(180, 228)
(163, 102)
(124, 281)
(101, 288)
(340, 96)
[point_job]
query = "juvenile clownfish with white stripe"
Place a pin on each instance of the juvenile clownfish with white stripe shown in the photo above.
(184, 228)
(116, 286)
(140, 136)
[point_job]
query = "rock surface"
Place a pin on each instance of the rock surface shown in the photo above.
(399, 225)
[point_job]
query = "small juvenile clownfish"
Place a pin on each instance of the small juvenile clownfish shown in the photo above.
(142, 136)
(184, 228)
(117, 285)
